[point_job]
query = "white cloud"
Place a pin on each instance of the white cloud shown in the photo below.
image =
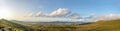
(75, 16)
(91, 16)
(39, 14)
(110, 17)
(94, 18)
(61, 12)
(104, 17)
(30, 15)
(58, 15)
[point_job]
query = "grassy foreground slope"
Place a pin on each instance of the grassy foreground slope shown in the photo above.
(112, 25)
(13, 26)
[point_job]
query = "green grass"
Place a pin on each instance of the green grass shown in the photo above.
(112, 25)
(13, 25)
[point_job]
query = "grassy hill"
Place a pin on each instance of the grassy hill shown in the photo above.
(103, 25)
(112, 25)
(13, 26)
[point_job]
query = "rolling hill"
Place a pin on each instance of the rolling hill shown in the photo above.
(110, 25)
(11, 26)
(102, 25)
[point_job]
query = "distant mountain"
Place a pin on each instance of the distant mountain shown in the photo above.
(55, 23)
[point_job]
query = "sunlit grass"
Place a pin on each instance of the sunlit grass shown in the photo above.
(113, 25)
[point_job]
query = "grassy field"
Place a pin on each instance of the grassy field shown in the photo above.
(13, 26)
(112, 25)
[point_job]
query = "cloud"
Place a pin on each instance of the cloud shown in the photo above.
(91, 18)
(29, 15)
(61, 12)
(39, 14)
(95, 18)
(92, 15)
(110, 17)
(75, 16)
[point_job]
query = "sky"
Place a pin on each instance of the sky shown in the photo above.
(53, 10)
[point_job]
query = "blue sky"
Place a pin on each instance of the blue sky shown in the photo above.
(82, 7)
(61, 8)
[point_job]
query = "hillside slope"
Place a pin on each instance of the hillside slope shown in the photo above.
(12, 26)
(112, 25)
